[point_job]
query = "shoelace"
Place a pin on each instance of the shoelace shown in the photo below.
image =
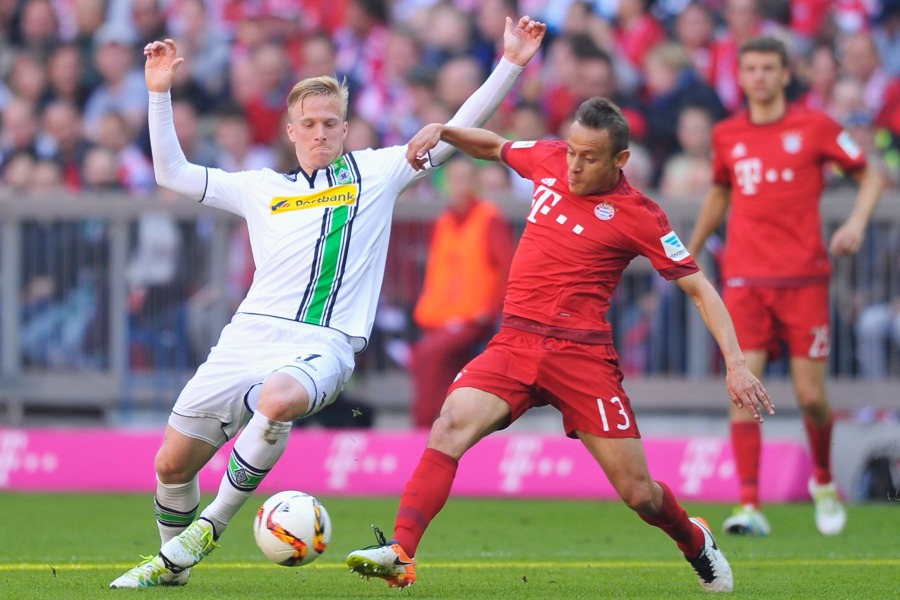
(196, 543)
(379, 537)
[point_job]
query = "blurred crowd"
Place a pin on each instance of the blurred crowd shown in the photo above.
(73, 104)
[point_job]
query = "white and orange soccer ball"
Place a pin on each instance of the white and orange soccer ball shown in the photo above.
(292, 528)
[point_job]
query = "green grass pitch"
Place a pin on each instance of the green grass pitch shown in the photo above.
(71, 546)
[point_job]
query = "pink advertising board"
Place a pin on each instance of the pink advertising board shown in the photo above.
(370, 463)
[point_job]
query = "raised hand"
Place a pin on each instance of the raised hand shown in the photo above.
(162, 62)
(521, 43)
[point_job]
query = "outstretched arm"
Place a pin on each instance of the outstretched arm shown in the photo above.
(170, 165)
(520, 43)
(477, 143)
(744, 388)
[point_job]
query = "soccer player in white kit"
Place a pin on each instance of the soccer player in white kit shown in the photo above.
(319, 237)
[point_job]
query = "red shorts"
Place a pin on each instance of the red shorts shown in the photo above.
(582, 381)
(766, 316)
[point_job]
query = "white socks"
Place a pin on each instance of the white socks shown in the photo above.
(257, 449)
(176, 506)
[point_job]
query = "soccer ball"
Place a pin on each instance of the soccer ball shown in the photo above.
(292, 528)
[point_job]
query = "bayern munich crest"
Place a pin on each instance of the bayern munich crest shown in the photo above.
(792, 142)
(604, 211)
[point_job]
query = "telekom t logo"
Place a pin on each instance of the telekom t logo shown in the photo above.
(748, 174)
(539, 202)
(343, 459)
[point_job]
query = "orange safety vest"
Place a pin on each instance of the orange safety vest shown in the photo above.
(460, 282)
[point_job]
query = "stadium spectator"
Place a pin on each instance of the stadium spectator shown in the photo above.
(148, 19)
(457, 79)
(820, 73)
(671, 85)
(860, 61)
(121, 88)
(695, 29)
(878, 325)
(743, 21)
(63, 273)
(234, 140)
(555, 345)
(636, 31)
(38, 28)
(391, 107)
(886, 34)
(768, 169)
(687, 174)
(265, 107)
(462, 295)
(362, 41)
(68, 75)
(201, 39)
(21, 131)
(290, 348)
(198, 147)
(133, 168)
(28, 79)
(61, 123)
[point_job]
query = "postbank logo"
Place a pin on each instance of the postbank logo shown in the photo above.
(342, 195)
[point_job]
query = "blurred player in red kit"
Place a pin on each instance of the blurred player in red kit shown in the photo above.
(768, 169)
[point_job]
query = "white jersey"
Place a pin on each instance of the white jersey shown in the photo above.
(320, 241)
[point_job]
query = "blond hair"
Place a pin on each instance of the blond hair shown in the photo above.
(324, 85)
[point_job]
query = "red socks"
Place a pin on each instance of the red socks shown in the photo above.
(673, 519)
(423, 498)
(746, 440)
(820, 447)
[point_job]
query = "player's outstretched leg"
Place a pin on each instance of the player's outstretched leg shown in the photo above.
(831, 516)
(190, 546)
(152, 572)
(711, 567)
(747, 520)
(386, 560)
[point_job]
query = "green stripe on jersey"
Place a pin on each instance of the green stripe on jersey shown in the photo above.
(337, 238)
(334, 247)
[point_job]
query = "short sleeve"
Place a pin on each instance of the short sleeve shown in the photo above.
(721, 172)
(522, 157)
(662, 246)
(228, 191)
(838, 146)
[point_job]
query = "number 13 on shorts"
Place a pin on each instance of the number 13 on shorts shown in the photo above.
(615, 404)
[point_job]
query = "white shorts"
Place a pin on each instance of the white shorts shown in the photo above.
(251, 348)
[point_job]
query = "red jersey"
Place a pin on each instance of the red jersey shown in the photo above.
(775, 171)
(574, 248)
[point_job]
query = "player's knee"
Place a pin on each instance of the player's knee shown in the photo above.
(811, 399)
(283, 399)
(639, 497)
(171, 470)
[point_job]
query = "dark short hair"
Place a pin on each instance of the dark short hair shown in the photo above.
(766, 44)
(602, 113)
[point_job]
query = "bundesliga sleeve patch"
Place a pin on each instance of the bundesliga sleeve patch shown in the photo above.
(673, 247)
(522, 144)
(848, 145)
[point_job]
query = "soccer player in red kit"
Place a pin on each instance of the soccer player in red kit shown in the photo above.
(768, 168)
(555, 345)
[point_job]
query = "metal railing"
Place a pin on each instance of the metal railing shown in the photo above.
(108, 303)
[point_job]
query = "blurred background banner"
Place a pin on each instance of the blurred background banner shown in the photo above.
(361, 462)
